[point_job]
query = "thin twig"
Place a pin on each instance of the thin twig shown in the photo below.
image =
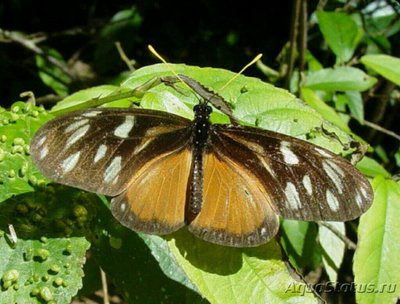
(124, 57)
(30, 44)
(379, 128)
(294, 30)
(104, 285)
(349, 243)
(303, 35)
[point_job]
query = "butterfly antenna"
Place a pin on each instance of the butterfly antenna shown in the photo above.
(242, 70)
(155, 53)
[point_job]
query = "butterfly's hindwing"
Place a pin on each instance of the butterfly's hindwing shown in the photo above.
(99, 150)
(236, 210)
(155, 200)
(305, 182)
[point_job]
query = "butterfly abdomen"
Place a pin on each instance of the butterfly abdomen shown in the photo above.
(200, 132)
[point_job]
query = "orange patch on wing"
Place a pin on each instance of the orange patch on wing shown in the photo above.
(236, 208)
(155, 200)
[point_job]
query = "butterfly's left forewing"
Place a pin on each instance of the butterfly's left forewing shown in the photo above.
(99, 150)
(305, 182)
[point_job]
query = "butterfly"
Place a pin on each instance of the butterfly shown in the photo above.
(228, 183)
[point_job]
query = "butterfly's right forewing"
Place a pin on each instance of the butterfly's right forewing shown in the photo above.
(304, 181)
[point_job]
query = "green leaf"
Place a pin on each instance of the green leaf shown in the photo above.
(220, 272)
(313, 63)
(397, 158)
(17, 173)
(312, 99)
(355, 103)
(385, 65)
(339, 79)
(169, 103)
(57, 277)
(50, 248)
(370, 167)
(380, 20)
(299, 241)
(333, 249)
(376, 267)
(381, 153)
(51, 75)
(341, 33)
(166, 259)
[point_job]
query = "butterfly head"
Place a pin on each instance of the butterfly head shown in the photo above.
(202, 111)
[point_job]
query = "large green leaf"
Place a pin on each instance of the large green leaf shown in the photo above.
(50, 274)
(49, 251)
(385, 65)
(341, 32)
(376, 266)
(17, 172)
(233, 275)
(339, 79)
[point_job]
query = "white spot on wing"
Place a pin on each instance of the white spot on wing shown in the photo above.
(101, 152)
(307, 184)
(288, 156)
(113, 169)
(332, 200)
(91, 114)
(41, 141)
(322, 152)
(44, 152)
(263, 231)
(76, 125)
(359, 200)
(292, 196)
(335, 174)
(123, 207)
(363, 192)
(69, 163)
(123, 129)
(77, 135)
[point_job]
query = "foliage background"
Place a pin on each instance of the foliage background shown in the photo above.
(80, 35)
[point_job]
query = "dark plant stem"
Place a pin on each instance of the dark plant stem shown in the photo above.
(294, 31)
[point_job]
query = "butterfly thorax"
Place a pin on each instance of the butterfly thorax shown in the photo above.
(200, 130)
